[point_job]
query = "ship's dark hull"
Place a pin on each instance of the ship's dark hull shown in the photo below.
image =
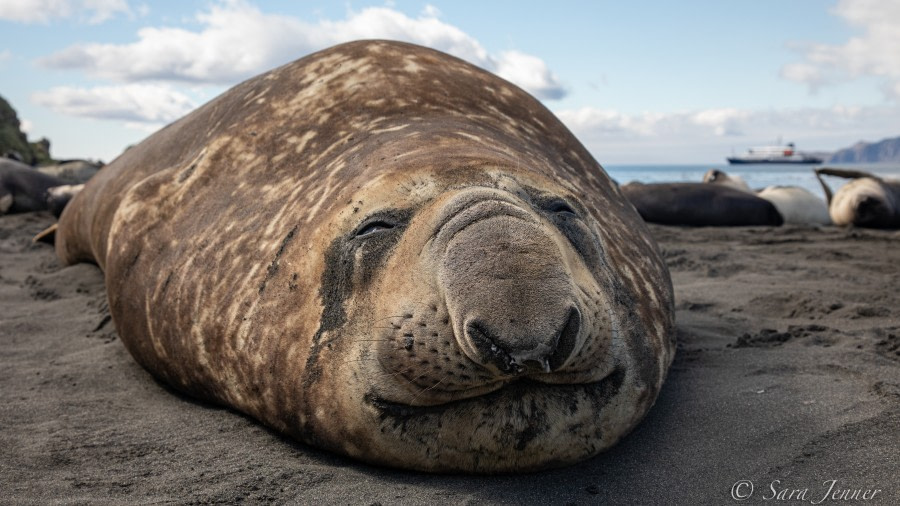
(737, 161)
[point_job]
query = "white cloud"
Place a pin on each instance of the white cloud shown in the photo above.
(43, 11)
(876, 52)
(892, 90)
(529, 72)
(429, 10)
(715, 122)
(804, 73)
(724, 122)
(26, 126)
(102, 10)
(152, 104)
(34, 11)
(237, 40)
(711, 134)
(592, 122)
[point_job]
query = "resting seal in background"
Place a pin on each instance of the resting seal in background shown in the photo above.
(700, 205)
(384, 251)
(795, 204)
(867, 201)
(730, 180)
(24, 189)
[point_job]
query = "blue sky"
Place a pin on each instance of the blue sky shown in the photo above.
(637, 81)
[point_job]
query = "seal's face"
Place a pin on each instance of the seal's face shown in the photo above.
(864, 202)
(482, 328)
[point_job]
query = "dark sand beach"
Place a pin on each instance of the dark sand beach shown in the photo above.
(787, 375)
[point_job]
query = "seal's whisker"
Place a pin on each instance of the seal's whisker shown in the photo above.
(387, 374)
(432, 387)
(381, 375)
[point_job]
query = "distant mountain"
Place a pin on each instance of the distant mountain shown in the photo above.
(887, 150)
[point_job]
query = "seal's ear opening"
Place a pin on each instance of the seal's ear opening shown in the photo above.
(47, 236)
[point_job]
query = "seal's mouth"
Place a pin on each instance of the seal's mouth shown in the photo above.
(597, 393)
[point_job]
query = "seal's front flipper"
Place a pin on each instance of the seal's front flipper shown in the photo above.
(825, 187)
(845, 173)
(48, 235)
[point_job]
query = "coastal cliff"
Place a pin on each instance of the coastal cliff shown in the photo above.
(886, 150)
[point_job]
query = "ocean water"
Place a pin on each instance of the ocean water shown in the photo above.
(757, 176)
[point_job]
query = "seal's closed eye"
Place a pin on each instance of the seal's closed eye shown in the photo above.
(561, 207)
(373, 227)
(385, 220)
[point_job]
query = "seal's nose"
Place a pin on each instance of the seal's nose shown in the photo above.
(512, 355)
(508, 290)
(871, 211)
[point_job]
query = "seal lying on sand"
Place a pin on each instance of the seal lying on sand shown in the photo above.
(723, 178)
(72, 172)
(700, 205)
(795, 204)
(24, 189)
(384, 251)
(867, 201)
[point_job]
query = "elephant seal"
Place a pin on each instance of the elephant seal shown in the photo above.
(389, 253)
(24, 189)
(795, 204)
(723, 178)
(866, 201)
(700, 205)
(72, 172)
(58, 197)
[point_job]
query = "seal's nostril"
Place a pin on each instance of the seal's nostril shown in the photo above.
(486, 344)
(494, 351)
(567, 340)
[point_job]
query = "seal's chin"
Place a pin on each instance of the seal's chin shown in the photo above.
(597, 393)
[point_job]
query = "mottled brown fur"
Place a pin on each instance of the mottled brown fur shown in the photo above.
(238, 269)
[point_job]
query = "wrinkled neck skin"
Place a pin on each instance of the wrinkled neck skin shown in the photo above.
(474, 320)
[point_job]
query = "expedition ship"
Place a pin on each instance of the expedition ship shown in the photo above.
(774, 154)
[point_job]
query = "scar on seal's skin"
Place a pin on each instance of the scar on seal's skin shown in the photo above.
(273, 267)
